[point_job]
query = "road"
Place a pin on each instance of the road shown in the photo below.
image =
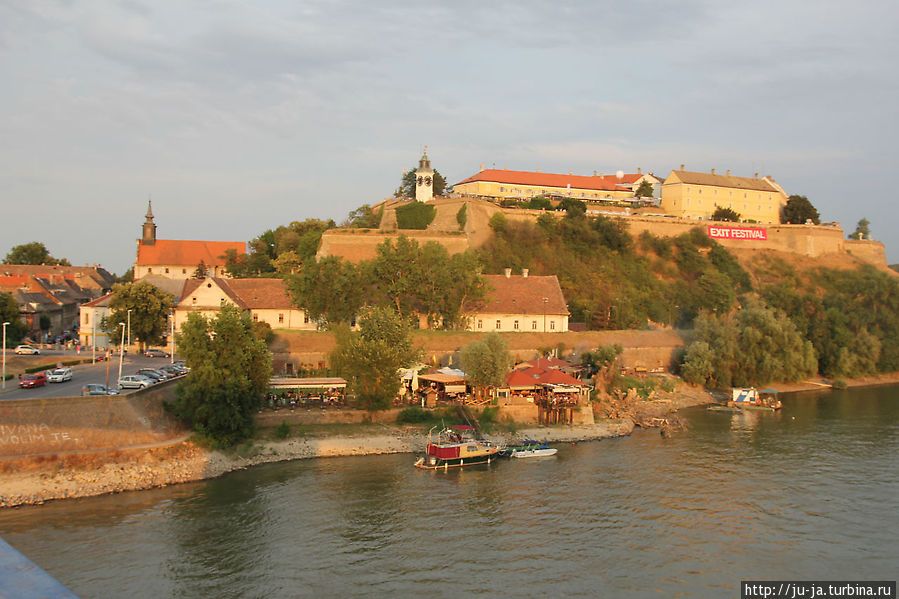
(83, 374)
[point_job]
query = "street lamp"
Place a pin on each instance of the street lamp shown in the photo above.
(121, 351)
(545, 299)
(3, 384)
(94, 340)
(172, 353)
(129, 327)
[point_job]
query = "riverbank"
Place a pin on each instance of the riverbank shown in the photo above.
(39, 481)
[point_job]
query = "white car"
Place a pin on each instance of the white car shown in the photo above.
(60, 375)
(27, 349)
(135, 381)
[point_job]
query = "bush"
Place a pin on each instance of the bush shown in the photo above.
(462, 216)
(840, 384)
(282, 431)
(488, 415)
(415, 215)
(413, 416)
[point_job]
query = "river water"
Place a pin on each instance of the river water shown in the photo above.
(809, 493)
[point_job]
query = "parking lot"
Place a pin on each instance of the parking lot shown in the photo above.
(83, 374)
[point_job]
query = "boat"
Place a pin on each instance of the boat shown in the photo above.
(455, 447)
(532, 449)
(717, 407)
(753, 399)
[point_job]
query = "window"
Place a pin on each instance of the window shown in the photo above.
(552, 325)
(86, 318)
(534, 325)
(499, 325)
(255, 318)
(515, 325)
(183, 271)
(193, 300)
(280, 318)
(149, 270)
(166, 270)
(305, 318)
(480, 324)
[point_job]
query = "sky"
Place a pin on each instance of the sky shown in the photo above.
(238, 117)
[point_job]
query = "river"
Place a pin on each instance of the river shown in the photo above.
(809, 493)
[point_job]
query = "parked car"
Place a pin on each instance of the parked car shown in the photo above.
(38, 379)
(156, 375)
(135, 381)
(95, 389)
(27, 350)
(174, 370)
(156, 353)
(60, 375)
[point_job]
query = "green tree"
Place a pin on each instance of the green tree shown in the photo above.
(539, 203)
(32, 253)
(407, 185)
(798, 210)
(364, 217)
(331, 290)
(370, 359)
(9, 312)
(862, 230)
(497, 222)
(415, 215)
(573, 207)
(601, 361)
(230, 372)
(725, 214)
(200, 270)
(644, 190)
(486, 362)
(462, 216)
(149, 305)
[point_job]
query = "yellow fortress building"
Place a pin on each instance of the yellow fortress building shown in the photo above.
(697, 195)
(522, 185)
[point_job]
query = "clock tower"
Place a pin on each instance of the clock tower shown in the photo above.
(424, 179)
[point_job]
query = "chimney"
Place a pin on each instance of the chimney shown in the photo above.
(728, 172)
(594, 173)
(756, 175)
(524, 273)
(682, 167)
(482, 167)
(602, 174)
(508, 273)
(713, 171)
(538, 170)
(639, 171)
(570, 173)
(769, 177)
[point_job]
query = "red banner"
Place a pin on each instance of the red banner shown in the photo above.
(738, 233)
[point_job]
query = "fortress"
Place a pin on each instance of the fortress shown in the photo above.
(806, 240)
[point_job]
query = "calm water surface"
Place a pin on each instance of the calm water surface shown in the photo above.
(810, 493)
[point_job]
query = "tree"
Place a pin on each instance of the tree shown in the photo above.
(573, 207)
(230, 372)
(9, 312)
(725, 214)
(462, 216)
(364, 217)
(201, 270)
(331, 290)
(798, 210)
(644, 190)
(486, 362)
(407, 185)
(371, 358)
(497, 222)
(862, 230)
(601, 361)
(149, 305)
(539, 203)
(33, 253)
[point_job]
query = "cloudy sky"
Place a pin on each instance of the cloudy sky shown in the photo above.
(236, 117)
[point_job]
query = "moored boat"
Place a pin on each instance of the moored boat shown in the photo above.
(532, 449)
(753, 399)
(455, 447)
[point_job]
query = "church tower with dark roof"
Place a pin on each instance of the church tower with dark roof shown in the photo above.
(149, 237)
(424, 179)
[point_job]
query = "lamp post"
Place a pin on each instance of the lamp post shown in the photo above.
(129, 327)
(172, 352)
(121, 352)
(544, 313)
(3, 384)
(94, 340)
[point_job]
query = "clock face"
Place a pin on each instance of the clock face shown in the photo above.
(419, 180)
(427, 181)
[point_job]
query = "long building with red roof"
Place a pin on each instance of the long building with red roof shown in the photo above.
(180, 258)
(520, 303)
(506, 184)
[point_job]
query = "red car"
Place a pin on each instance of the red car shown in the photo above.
(38, 379)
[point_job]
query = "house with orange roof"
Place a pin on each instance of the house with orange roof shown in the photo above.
(522, 185)
(267, 300)
(179, 258)
(520, 303)
(698, 195)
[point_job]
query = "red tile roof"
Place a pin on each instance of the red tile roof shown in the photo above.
(544, 363)
(186, 252)
(530, 377)
(546, 180)
(523, 295)
(250, 294)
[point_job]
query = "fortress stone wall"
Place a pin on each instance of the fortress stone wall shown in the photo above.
(359, 245)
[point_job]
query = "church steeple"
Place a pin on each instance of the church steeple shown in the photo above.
(424, 179)
(149, 237)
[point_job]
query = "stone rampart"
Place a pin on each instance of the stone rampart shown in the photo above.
(71, 424)
(872, 252)
(357, 245)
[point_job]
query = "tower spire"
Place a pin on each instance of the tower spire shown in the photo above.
(149, 236)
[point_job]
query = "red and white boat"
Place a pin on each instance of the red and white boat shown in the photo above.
(455, 447)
